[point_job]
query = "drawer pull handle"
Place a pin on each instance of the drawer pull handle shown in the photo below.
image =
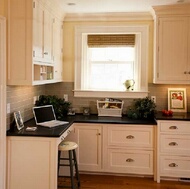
(173, 165)
(45, 53)
(130, 137)
(173, 127)
(173, 144)
(129, 160)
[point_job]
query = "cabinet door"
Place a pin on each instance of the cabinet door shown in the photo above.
(171, 62)
(48, 36)
(89, 146)
(38, 16)
(57, 49)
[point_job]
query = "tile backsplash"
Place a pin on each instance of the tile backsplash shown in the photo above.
(21, 98)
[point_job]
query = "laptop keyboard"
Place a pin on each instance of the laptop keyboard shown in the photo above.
(53, 123)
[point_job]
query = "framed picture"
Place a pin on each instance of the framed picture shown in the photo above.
(18, 120)
(177, 99)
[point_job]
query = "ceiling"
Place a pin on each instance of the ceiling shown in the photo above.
(108, 6)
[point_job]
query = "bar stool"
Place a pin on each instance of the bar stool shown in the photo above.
(70, 147)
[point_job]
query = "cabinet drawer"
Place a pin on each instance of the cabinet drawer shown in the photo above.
(175, 166)
(135, 136)
(175, 127)
(130, 161)
(175, 144)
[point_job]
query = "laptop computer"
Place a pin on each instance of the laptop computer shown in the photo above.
(45, 116)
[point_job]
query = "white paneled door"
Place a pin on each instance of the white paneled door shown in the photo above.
(2, 103)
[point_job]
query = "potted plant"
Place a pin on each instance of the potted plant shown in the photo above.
(143, 108)
(60, 106)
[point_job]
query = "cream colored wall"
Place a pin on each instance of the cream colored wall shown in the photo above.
(2, 7)
(69, 43)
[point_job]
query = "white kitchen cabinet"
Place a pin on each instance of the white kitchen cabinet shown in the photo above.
(30, 42)
(32, 161)
(173, 153)
(115, 148)
(89, 140)
(172, 44)
(38, 17)
(57, 48)
(130, 149)
(42, 33)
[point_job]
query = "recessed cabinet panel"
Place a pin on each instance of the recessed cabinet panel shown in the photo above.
(175, 166)
(38, 17)
(130, 161)
(90, 147)
(57, 49)
(172, 49)
(175, 144)
(130, 136)
(48, 36)
(172, 44)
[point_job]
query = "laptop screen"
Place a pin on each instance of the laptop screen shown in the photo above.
(43, 113)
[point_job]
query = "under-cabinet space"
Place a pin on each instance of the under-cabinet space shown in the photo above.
(43, 73)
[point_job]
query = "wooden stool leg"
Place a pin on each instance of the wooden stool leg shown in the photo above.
(76, 167)
(71, 169)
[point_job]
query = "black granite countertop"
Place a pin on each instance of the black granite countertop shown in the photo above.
(177, 116)
(40, 131)
(79, 118)
(59, 130)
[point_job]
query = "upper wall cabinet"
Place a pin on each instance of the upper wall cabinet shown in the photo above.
(33, 56)
(172, 44)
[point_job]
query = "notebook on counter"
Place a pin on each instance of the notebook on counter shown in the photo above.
(45, 116)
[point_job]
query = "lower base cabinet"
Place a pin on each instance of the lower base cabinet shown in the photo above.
(115, 148)
(89, 152)
(173, 152)
(130, 161)
(32, 162)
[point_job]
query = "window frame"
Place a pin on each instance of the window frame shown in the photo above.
(142, 31)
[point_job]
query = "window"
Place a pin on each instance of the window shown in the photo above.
(109, 67)
(102, 68)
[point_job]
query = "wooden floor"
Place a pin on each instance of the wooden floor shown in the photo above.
(123, 182)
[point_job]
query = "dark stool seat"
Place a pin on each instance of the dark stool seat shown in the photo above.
(70, 147)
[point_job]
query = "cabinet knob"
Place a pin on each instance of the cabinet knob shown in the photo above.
(185, 72)
(173, 165)
(46, 53)
(99, 134)
(173, 127)
(130, 160)
(173, 144)
(130, 137)
(189, 72)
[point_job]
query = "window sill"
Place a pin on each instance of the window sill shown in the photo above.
(110, 94)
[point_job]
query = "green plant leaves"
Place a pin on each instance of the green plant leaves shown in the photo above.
(143, 108)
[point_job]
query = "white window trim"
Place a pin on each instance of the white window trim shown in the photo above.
(142, 30)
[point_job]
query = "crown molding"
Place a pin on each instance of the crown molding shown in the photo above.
(175, 9)
(107, 16)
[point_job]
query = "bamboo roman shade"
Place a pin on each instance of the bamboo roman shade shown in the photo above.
(111, 40)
